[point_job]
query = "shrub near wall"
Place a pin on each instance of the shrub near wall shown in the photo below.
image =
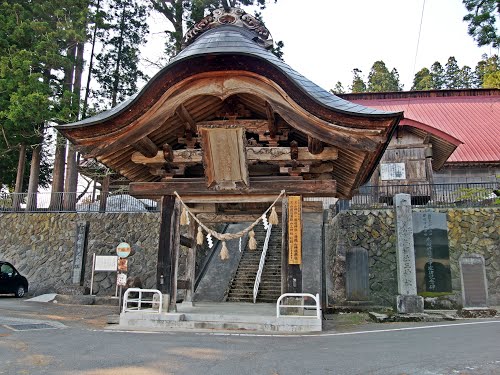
(42, 246)
(472, 230)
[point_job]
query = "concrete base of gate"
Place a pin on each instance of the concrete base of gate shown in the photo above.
(221, 316)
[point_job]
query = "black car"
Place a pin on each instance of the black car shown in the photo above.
(12, 281)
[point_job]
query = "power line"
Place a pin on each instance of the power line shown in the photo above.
(418, 44)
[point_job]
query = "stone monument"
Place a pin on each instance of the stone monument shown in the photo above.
(357, 275)
(432, 254)
(474, 285)
(407, 300)
(82, 230)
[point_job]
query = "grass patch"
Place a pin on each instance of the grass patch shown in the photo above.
(351, 318)
(434, 294)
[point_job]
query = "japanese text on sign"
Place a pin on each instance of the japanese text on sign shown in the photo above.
(392, 171)
(106, 262)
(294, 230)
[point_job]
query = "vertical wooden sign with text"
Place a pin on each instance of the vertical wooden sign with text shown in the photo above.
(294, 230)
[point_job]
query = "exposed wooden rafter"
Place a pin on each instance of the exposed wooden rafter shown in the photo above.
(190, 126)
(146, 147)
(315, 146)
(264, 154)
(271, 123)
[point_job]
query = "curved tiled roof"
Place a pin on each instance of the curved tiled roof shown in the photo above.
(232, 40)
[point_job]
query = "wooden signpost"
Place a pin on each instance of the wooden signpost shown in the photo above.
(294, 271)
(295, 230)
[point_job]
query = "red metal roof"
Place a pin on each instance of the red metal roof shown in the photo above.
(470, 116)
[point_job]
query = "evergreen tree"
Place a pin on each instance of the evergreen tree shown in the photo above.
(452, 74)
(358, 85)
(437, 74)
(466, 77)
(380, 79)
(34, 40)
(117, 70)
(423, 80)
(483, 17)
(486, 71)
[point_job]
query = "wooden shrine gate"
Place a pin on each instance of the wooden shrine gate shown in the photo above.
(228, 126)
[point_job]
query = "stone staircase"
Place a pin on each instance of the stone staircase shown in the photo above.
(241, 289)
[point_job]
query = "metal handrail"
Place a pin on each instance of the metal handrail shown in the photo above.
(154, 303)
(315, 298)
(261, 263)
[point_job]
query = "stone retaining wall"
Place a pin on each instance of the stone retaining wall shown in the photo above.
(472, 230)
(41, 247)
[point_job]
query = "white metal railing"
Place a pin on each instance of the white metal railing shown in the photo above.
(315, 298)
(151, 304)
(261, 263)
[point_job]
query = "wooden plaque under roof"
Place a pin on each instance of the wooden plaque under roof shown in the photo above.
(224, 156)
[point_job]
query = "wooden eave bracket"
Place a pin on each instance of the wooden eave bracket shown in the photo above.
(254, 154)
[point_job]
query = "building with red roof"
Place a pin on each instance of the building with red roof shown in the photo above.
(459, 131)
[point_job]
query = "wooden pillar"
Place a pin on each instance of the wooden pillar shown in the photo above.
(104, 194)
(294, 271)
(191, 263)
(168, 249)
(93, 191)
(428, 170)
(284, 245)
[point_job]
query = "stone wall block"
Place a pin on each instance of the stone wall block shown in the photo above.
(41, 246)
(474, 230)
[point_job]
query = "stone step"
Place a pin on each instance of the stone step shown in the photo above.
(273, 268)
(265, 289)
(247, 287)
(241, 288)
(251, 279)
(209, 322)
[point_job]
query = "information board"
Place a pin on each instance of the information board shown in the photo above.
(106, 263)
(392, 171)
(294, 230)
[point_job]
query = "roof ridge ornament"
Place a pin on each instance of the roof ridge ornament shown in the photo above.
(234, 17)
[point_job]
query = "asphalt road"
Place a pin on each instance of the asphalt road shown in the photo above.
(84, 346)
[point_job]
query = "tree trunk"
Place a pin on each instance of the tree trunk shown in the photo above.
(56, 196)
(77, 87)
(91, 64)
(116, 74)
(104, 193)
(31, 203)
(19, 178)
(71, 180)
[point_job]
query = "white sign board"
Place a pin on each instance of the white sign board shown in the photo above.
(106, 263)
(392, 171)
(121, 279)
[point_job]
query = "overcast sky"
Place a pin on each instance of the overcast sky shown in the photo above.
(326, 39)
